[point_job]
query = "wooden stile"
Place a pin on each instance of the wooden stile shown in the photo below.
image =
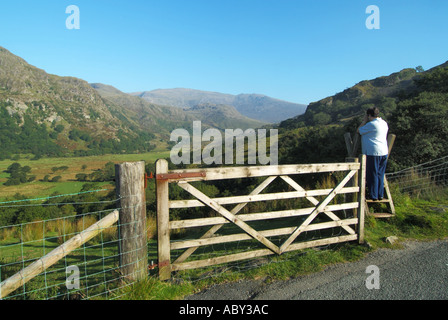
(352, 147)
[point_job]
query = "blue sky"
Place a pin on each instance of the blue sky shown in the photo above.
(296, 50)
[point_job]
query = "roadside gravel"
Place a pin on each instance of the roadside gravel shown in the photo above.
(418, 271)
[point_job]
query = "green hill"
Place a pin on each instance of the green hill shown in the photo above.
(49, 115)
(415, 104)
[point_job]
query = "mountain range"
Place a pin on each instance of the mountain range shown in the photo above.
(255, 106)
(46, 114)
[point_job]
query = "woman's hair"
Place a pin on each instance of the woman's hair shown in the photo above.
(373, 112)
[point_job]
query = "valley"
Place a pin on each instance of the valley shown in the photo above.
(68, 183)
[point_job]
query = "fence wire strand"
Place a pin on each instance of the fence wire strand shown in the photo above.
(96, 261)
(422, 177)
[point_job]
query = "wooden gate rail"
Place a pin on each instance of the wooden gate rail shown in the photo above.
(184, 177)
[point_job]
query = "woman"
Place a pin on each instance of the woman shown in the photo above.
(373, 131)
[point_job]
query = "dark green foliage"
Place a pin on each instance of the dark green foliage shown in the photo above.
(105, 174)
(23, 211)
(421, 126)
(81, 177)
(76, 134)
(56, 179)
(435, 81)
(18, 174)
(30, 137)
(59, 128)
(318, 144)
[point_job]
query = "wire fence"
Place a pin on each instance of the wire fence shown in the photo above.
(422, 177)
(90, 271)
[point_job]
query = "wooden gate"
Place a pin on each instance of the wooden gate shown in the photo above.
(183, 179)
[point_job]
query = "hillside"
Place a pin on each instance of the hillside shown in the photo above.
(222, 116)
(50, 115)
(353, 101)
(162, 119)
(415, 105)
(155, 118)
(46, 114)
(255, 106)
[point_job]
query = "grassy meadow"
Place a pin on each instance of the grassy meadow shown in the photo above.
(68, 184)
(22, 244)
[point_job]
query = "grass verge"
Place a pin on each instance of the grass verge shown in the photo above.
(422, 217)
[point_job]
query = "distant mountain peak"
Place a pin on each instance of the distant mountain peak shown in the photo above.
(255, 106)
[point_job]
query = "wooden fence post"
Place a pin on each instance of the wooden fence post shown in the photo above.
(163, 220)
(133, 252)
(361, 197)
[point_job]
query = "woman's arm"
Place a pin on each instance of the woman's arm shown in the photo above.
(363, 123)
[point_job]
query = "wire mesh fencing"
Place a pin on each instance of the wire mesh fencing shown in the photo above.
(75, 256)
(421, 178)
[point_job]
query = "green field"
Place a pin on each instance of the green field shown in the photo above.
(68, 184)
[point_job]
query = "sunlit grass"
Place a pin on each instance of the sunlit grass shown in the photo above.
(68, 184)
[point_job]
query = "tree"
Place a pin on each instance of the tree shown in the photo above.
(321, 118)
(81, 177)
(56, 179)
(435, 81)
(420, 124)
(18, 174)
(419, 69)
(59, 128)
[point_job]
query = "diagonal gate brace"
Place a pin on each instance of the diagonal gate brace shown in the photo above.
(234, 211)
(228, 215)
(316, 211)
(315, 202)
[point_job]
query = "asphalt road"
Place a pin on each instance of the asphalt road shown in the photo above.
(419, 271)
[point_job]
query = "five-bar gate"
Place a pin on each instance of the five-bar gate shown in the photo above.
(321, 201)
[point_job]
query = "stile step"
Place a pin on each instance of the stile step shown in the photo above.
(381, 214)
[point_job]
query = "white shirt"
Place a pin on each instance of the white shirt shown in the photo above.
(374, 137)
